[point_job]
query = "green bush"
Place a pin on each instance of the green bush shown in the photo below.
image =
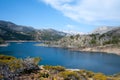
(86, 74)
(113, 41)
(44, 74)
(69, 75)
(93, 41)
(57, 68)
(1, 77)
(6, 59)
(99, 76)
(71, 37)
(15, 64)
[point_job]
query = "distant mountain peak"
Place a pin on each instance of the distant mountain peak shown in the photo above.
(103, 29)
(72, 32)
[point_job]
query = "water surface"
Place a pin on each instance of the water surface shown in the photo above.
(97, 62)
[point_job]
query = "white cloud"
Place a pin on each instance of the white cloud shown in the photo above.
(88, 11)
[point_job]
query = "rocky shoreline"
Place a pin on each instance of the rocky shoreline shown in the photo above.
(4, 45)
(108, 50)
(105, 49)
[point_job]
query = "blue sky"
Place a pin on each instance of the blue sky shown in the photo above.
(68, 15)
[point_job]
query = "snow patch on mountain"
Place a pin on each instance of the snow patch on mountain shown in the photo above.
(72, 32)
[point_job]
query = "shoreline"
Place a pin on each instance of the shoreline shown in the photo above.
(4, 45)
(20, 41)
(108, 50)
(104, 49)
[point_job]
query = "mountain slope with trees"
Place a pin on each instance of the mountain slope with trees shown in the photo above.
(11, 31)
(106, 42)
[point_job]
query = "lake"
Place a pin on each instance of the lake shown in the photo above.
(96, 62)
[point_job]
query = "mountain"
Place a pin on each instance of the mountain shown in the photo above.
(109, 36)
(69, 32)
(103, 29)
(51, 34)
(14, 27)
(108, 42)
(11, 31)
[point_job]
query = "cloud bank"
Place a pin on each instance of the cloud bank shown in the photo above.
(88, 11)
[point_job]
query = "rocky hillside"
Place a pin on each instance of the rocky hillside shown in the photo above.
(109, 39)
(103, 29)
(11, 31)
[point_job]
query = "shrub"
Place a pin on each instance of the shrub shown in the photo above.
(44, 74)
(1, 77)
(69, 75)
(93, 41)
(57, 68)
(99, 76)
(71, 37)
(12, 65)
(6, 59)
(86, 74)
(3, 57)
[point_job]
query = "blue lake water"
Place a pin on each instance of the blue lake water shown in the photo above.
(96, 62)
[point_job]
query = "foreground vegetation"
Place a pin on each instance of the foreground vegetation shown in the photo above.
(12, 68)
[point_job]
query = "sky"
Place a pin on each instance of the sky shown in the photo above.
(64, 15)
